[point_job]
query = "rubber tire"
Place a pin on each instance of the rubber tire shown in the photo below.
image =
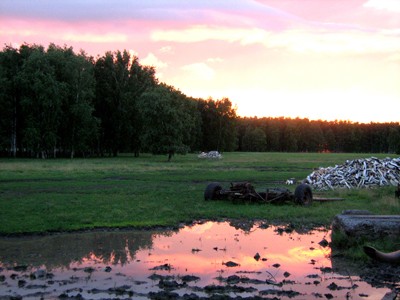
(303, 195)
(211, 191)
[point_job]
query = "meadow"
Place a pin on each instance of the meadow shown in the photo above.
(38, 196)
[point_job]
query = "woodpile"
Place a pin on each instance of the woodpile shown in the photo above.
(358, 173)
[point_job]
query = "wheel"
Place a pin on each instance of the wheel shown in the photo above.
(212, 191)
(303, 195)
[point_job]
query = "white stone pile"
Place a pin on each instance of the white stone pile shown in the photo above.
(211, 154)
(358, 173)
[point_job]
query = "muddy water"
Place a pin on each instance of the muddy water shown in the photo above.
(203, 260)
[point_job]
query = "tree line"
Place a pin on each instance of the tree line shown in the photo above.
(58, 103)
(304, 135)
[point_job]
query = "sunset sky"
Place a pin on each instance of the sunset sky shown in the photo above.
(331, 59)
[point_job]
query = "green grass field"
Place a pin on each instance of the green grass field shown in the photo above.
(63, 194)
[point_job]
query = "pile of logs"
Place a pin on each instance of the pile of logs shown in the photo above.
(358, 173)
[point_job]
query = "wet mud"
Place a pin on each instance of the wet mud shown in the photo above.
(207, 260)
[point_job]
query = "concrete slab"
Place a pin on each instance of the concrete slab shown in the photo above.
(364, 224)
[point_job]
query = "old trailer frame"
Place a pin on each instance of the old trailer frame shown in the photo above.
(245, 192)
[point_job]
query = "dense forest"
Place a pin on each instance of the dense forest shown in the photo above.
(58, 103)
(303, 135)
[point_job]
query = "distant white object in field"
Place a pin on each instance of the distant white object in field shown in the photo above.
(211, 154)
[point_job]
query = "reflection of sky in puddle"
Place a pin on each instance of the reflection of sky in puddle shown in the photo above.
(287, 262)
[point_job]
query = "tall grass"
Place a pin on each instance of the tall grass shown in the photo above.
(64, 194)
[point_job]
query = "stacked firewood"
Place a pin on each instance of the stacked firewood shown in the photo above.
(358, 173)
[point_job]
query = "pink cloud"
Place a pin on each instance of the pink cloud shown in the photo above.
(262, 50)
(388, 5)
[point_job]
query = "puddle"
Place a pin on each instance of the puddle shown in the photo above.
(204, 260)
